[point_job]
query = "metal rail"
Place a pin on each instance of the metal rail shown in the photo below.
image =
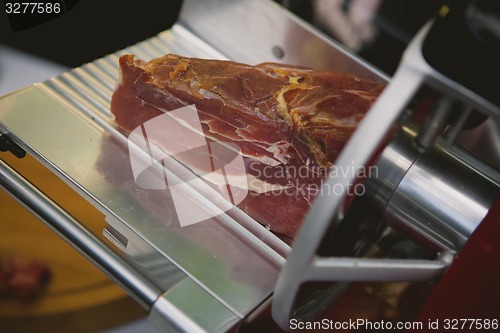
(79, 237)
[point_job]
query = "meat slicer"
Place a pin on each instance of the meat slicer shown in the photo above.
(433, 186)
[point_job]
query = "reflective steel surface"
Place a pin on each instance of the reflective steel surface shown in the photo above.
(438, 200)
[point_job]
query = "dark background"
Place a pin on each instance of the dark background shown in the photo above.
(92, 29)
(396, 21)
(95, 28)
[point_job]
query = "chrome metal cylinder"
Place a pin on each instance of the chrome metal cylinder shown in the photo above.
(434, 198)
(144, 292)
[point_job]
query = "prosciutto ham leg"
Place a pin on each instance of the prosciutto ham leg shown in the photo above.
(289, 123)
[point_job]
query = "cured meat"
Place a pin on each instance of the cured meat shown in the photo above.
(289, 123)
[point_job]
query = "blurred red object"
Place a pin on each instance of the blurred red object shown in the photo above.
(21, 278)
(470, 288)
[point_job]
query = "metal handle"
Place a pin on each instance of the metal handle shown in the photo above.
(79, 237)
(328, 208)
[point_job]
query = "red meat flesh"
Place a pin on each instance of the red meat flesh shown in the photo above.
(289, 123)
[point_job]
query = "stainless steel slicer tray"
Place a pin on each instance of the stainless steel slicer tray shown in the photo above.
(227, 265)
